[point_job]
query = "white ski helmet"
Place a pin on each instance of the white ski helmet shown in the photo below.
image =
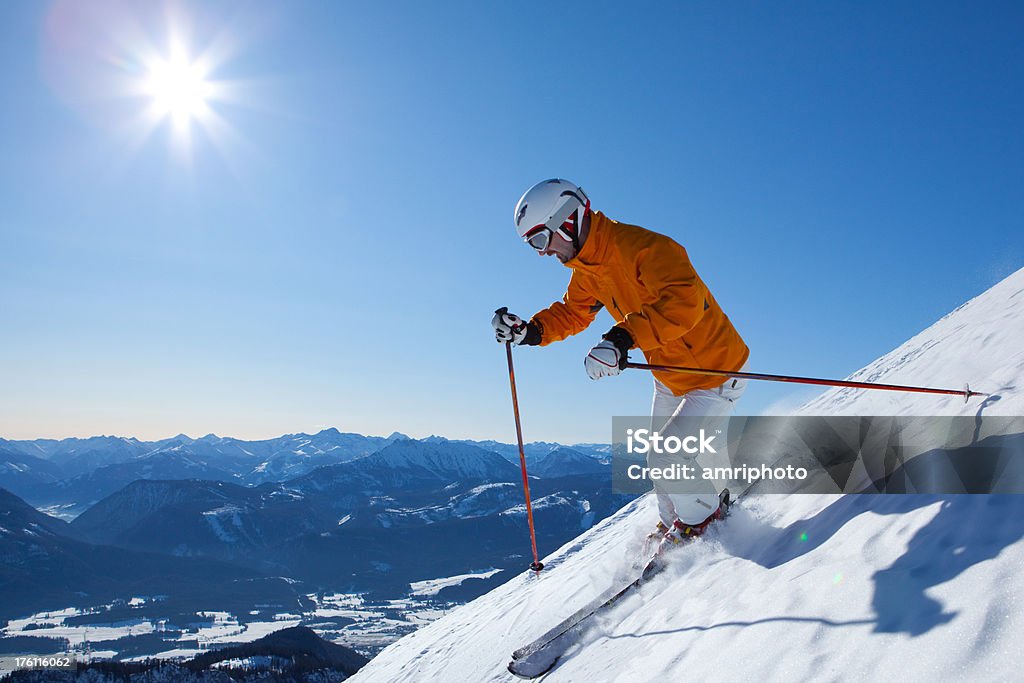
(548, 207)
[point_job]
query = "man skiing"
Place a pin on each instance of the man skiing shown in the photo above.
(660, 305)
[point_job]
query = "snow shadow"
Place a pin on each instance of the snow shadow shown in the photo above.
(967, 530)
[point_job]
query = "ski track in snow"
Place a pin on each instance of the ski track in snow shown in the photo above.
(799, 587)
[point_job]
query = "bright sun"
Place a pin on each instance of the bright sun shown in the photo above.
(179, 89)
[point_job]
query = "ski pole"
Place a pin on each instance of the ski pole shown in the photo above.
(965, 392)
(537, 565)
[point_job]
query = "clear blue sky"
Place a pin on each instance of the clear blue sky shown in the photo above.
(328, 249)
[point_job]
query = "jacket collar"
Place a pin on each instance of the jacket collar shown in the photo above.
(594, 252)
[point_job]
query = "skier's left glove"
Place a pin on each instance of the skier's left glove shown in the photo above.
(608, 358)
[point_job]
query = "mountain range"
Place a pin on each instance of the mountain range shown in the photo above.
(65, 477)
(177, 519)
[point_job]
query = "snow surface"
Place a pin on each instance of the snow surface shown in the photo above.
(790, 587)
(434, 586)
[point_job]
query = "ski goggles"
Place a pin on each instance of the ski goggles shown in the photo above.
(540, 236)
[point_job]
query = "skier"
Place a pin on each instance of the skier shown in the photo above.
(660, 305)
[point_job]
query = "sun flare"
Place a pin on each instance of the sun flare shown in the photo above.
(178, 89)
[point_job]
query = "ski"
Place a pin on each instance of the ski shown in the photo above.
(540, 656)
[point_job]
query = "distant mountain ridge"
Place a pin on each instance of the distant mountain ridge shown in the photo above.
(72, 474)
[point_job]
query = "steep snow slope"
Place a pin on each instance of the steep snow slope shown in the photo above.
(817, 588)
(919, 588)
(981, 343)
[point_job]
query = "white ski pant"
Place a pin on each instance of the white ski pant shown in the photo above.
(692, 501)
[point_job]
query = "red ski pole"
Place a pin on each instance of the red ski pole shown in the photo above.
(965, 392)
(537, 565)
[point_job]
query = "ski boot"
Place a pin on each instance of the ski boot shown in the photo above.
(683, 533)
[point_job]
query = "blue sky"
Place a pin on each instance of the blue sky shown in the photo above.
(330, 250)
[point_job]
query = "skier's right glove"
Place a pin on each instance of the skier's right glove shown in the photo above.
(509, 327)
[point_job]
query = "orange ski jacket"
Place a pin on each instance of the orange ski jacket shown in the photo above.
(649, 286)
